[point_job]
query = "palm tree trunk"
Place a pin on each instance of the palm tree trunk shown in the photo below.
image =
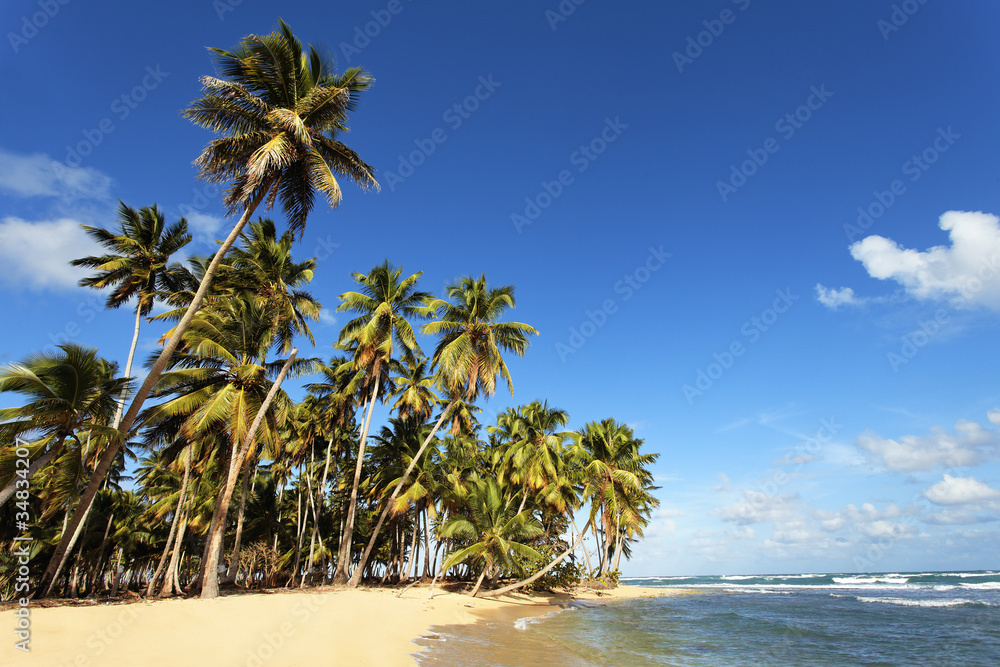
(479, 582)
(170, 580)
(618, 540)
(210, 582)
(427, 546)
(234, 565)
(128, 365)
(385, 512)
(524, 582)
(410, 566)
(300, 527)
(312, 538)
(173, 528)
(347, 537)
(586, 554)
(125, 427)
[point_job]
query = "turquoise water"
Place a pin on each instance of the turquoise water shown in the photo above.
(888, 619)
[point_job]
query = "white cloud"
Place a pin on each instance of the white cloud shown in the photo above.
(835, 298)
(966, 272)
(203, 226)
(36, 255)
(970, 445)
(960, 491)
(327, 318)
(38, 175)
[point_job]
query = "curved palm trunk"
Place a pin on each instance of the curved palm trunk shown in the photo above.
(210, 581)
(524, 582)
(347, 536)
(104, 465)
(356, 579)
(479, 582)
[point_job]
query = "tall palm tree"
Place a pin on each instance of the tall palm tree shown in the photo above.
(137, 265)
(618, 482)
(384, 302)
(468, 358)
(279, 111)
(220, 381)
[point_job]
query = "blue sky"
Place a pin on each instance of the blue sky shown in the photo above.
(764, 235)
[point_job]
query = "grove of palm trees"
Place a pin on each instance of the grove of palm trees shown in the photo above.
(195, 471)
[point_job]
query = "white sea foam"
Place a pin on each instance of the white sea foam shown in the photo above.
(890, 579)
(523, 622)
(984, 586)
(909, 602)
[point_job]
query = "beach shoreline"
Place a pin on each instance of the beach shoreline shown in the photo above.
(364, 626)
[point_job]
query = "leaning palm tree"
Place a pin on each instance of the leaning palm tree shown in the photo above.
(468, 358)
(137, 266)
(279, 112)
(385, 301)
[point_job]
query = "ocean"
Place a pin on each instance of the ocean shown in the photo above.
(888, 619)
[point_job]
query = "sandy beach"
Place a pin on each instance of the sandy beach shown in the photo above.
(313, 627)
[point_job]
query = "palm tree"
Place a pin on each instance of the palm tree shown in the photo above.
(384, 302)
(533, 455)
(279, 112)
(221, 382)
(137, 266)
(415, 397)
(617, 481)
(66, 393)
(495, 529)
(262, 264)
(468, 357)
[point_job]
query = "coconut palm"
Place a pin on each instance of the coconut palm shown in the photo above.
(384, 302)
(468, 357)
(136, 266)
(617, 481)
(66, 393)
(261, 263)
(220, 381)
(279, 111)
(532, 457)
(496, 530)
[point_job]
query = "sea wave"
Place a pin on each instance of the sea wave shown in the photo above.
(890, 579)
(910, 602)
(984, 586)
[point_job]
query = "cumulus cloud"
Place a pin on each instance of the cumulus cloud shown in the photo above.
(835, 298)
(960, 491)
(36, 255)
(38, 175)
(967, 272)
(971, 444)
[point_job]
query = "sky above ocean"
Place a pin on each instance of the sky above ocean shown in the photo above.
(763, 234)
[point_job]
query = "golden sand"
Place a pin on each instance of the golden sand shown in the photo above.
(314, 627)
